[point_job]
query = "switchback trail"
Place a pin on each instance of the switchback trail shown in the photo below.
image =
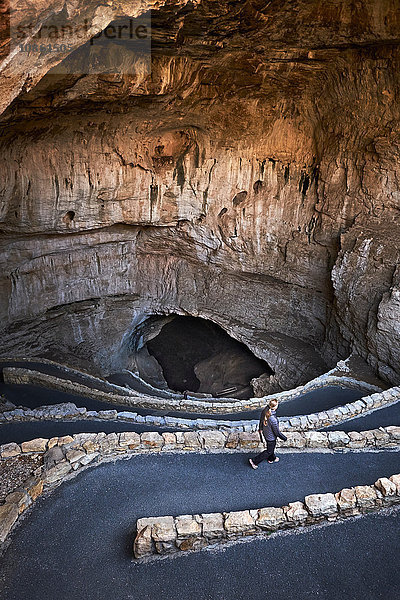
(77, 542)
(315, 401)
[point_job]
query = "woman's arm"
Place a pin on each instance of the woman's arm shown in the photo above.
(275, 428)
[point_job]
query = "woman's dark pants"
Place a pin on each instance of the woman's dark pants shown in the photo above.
(268, 454)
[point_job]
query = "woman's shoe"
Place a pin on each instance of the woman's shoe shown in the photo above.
(252, 464)
(272, 461)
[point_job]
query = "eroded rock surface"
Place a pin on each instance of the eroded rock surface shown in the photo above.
(250, 177)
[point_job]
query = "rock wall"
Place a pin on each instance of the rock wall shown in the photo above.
(240, 180)
(367, 287)
(68, 455)
(165, 535)
(89, 387)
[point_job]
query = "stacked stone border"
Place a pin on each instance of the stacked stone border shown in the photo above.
(19, 375)
(320, 420)
(67, 455)
(92, 380)
(165, 535)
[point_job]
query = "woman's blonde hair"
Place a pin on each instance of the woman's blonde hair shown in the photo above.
(271, 406)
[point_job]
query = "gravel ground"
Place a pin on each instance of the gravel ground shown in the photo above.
(15, 471)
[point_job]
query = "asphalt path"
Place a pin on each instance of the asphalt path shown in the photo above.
(315, 401)
(136, 384)
(121, 379)
(58, 371)
(77, 542)
(383, 417)
(32, 397)
(22, 431)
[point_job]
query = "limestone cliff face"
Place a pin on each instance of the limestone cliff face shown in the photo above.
(367, 291)
(250, 177)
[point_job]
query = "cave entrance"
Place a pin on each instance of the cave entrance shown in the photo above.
(196, 355)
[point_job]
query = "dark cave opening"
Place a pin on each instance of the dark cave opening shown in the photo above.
(196, 355)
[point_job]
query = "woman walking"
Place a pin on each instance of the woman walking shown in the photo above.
(269, 429)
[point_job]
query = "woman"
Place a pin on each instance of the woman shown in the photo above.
(269, 429)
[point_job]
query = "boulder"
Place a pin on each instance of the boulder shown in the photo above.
(81, 438)
(316, 439)
(58, 472)
(346, 500)
(212, 439)
(213, 525)
(88, 458)
(107, 414)
(338, 439)
(53, 456)
(295, 439)
(65, 439)
(34, 488)
(296, 513)
(239, 522)
(109, 443)
(394, 432)
(396, 480)
(21, 499)
(249, 440)
(151, 440)
(321, 505)
(10, 450)
(130, 439)
(169, 439)
(127, 416)
(163, 532)
(187, 526)
(143, 544)
(366, 496)
(270, 518)
(74, 456)
(8, 516)
(381, 436)
(91, 446)
(232, 440)
(36, 445)
(191, 440)
(386, 486)
(356, 440)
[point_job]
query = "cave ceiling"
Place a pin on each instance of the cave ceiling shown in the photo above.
(255, 146)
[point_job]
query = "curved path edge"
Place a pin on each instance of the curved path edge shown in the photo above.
(167, 534)
(327, 418)
(68, 455)
(25, 376)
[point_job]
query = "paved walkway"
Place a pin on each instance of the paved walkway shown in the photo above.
(77, 542)
(33, 396)
(88, 554)
(383, 417)
(318, 400)
(20, 432)
(56, 371)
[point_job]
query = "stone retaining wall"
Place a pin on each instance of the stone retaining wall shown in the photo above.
(19, 375)
(68, 454)
(92, 380)
(162, 535)
(313, 421)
